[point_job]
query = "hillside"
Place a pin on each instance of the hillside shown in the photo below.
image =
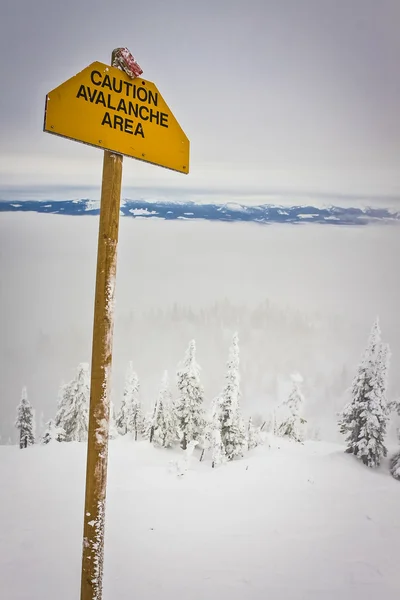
(288, 522)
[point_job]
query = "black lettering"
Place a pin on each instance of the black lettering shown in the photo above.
(142, 94)
(107, 120)
(127, 85)
(109, 105)
(164, 119)
(139, 130)
(155, 115)
(153, 98)
(92, 74)
(82, 92)
(114, 85)
(106, 82)
(141, 109)
(93, 95)
(132, 109)
(101, 99)
(118, 121)
(128, 126)
(121, 105)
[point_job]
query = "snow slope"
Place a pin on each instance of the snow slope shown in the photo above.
(293, 522)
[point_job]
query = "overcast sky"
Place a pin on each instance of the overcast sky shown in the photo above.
(276, 96)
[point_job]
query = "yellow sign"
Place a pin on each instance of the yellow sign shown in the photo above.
(103, 107)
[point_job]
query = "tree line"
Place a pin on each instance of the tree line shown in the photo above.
(222, 432)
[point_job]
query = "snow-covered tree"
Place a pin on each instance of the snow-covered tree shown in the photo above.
(63, 404)
(74, 413)
(189, 405)
(48, 435)
(182, 465)
(253, 435)
(213, 439)
(395, 465)
(149, 423)
(52, 433)
(364, 419)
(113, 430)
(217, 448)
(130, 417)
(289, 421)
(25, 421)
(165, 424)
(232, 428)
(382, 372)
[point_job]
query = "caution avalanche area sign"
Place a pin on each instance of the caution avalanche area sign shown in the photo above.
(103, 107)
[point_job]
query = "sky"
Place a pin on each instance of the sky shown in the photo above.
(280, 99)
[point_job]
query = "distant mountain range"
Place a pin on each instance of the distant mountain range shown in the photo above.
(229, 212)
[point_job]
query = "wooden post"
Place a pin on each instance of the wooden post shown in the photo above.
(103, 326)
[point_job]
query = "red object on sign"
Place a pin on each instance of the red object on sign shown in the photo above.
(124, 59)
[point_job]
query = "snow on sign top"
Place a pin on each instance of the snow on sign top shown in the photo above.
(103, 107)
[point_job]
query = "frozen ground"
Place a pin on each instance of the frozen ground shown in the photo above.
(290, 523)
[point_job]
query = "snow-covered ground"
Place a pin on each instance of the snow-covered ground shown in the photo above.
(294, 522)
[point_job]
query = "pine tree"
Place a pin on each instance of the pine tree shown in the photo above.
(382, 372)
(52, 433)
(289, 413)
(25, 421)
(165, 424)
(395, 465)
(63, 404)
(217, 448)
(189, 406)
(232, 427)
(113, 430)
(253, 435)
(130, 417)
(74, 417)
(149, 423)
(364, 419)
(214, 439)
(48, 435)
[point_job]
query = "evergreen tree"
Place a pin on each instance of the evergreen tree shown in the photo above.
(253, 435)
(48, 435)
(382, 372)
(25, 421)
(63, 404)
(189, 406)
(52, 433)
(289, 413)
(74, 419)
(232, 427)
(149, 424)
(214, 439)
(217, 448)
(395, 465)
(113, 430)
(364, 419)
(130, 417)
(165, 425)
